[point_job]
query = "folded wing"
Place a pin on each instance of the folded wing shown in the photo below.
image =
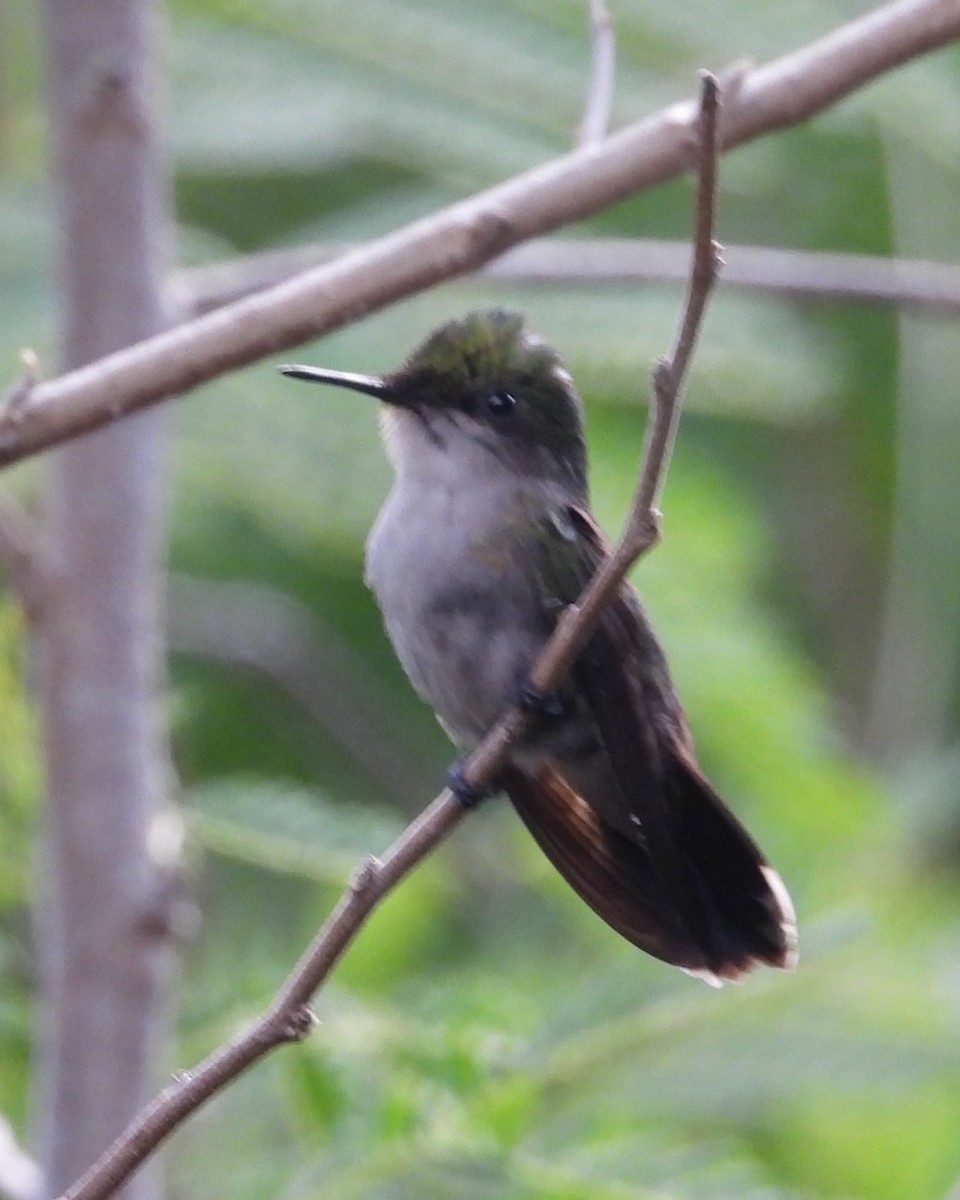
(640, 834)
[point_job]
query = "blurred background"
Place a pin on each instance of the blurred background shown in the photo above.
(487, 1036)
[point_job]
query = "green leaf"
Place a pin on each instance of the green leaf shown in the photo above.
(287, 829)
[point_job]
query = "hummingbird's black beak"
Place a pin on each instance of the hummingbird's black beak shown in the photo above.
(370, 385)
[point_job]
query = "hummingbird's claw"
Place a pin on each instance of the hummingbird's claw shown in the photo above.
(548, 706)
(469, 795)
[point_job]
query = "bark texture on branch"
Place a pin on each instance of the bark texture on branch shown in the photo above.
(100, 928)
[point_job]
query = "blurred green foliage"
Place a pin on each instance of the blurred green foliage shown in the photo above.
(487, 1036)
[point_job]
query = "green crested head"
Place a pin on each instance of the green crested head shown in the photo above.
(503, 386)
(484, 381)
(479, 346)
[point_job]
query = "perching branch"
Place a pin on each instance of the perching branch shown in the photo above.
(289, 1018)
(463, 237)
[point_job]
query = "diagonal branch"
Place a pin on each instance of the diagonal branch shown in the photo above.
(289, 1017)
(463, 237)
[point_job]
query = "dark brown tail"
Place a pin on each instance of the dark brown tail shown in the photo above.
(716, 911)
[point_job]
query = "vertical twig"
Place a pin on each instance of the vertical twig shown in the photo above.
(595, 123)
(642, 529)
(670, 373)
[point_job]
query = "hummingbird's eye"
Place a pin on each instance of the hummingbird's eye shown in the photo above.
(500, 403)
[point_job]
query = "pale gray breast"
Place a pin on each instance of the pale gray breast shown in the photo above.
(464, 630)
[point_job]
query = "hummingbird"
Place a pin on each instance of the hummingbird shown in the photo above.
(485, 538)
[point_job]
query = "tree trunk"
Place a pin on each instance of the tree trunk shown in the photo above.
(102, 935)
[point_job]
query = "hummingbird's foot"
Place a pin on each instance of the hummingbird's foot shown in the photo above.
(546, 706)
(467, 793)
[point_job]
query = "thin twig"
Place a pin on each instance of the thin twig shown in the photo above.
(706, 251)
(288, 1017)
(599, 104)
(806, 274)
(17, 394)
(670, 372)
(463, 237)
(643, 524)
